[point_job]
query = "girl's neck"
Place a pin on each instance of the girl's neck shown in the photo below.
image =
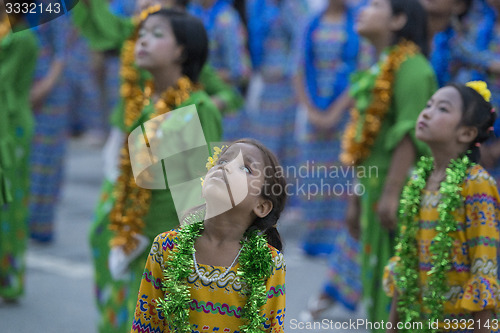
(335, 11)
(225, 228)
(380, 43)
(436, 24)
(443, 156)
(164, 80)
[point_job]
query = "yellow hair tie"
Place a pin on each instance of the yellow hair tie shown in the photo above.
(481, 87)
(212, 160)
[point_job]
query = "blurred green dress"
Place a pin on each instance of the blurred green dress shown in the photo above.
(413, 85)
(18, 55)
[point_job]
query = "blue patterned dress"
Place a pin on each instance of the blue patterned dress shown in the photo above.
(326, 188)
(85, 110)
(273, 118)
(49, 141)
(451, 52)
(227, 52)
(494, 85)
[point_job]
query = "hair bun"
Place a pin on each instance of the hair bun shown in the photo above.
(481, 87)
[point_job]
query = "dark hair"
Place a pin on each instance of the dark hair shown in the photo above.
(476, 112)
(273, 177)
(415, 29)
(468, 5)
(189, 33)
(182, 3)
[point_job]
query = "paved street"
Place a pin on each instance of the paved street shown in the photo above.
(59, 295)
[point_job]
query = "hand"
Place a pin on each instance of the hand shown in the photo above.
(219, 103)
(314, 116)
(494, 68)
(387, 209)
(353, 217)
(39, 93)
(119, 261)
(42, 88)
(272, 75)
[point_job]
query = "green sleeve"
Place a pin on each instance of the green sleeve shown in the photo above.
(103, 29)
(210, 117)
(182, 166)
(414, 84)
(18, 55)
(215, 87)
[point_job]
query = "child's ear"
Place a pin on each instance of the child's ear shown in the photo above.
(180, 54)
(263, 208)
(398, 22)
(467, 134)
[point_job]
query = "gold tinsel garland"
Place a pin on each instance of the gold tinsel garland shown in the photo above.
(132, 202)
(356, 149)
(4, 27)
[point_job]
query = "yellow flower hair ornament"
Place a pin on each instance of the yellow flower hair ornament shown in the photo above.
(481, 87)
(212, 160)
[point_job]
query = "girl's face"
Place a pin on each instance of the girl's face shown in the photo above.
(440, 121)
(375, 19)
(156, 46)
(236, 180)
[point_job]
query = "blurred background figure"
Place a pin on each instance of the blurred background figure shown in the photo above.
(18, 55)
(330, 52)
(274, 27)
(228, 52)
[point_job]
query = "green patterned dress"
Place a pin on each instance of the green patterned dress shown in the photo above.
(413, 86)
(18, 55)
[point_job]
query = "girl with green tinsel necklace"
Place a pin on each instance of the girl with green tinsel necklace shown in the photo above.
(380, 136)
(222, 270)
(444, 274)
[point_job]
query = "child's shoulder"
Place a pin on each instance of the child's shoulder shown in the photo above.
(167, 238)
(479, 180)
(417, 64)
(478, 174)
(277, 256)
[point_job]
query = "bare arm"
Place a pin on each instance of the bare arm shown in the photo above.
(335, 112)
(393, 314)
(43, 87)
(402, 160)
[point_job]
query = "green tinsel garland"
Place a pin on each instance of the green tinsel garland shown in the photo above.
(255, 267)
(407, 249)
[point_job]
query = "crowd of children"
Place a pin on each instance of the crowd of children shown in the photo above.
(406, 86)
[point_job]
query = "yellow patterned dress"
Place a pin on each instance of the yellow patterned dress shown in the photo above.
(215, 307)
(472, 279)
